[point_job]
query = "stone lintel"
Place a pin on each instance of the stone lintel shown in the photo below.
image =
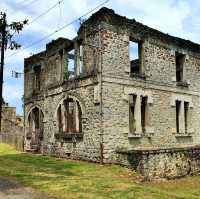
(139, 92)
(182, 135)
(185, 98)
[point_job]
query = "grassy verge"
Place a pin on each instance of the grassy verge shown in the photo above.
(76, 179)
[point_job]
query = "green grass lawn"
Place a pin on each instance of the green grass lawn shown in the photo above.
(77, 179)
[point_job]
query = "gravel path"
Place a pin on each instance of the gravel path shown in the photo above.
(10, 189)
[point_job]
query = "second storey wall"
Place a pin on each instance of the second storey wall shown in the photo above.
(158, 58)
(160, 65)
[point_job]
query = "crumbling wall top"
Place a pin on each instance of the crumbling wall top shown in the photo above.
(51, 48)
(110, 17)
(59, 43)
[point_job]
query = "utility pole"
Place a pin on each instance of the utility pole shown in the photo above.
(3, 34)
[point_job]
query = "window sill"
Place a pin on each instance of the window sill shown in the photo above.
(80, 76)
(68, 136)
(72, 135)
(139, 135)
(137, 75)
(181, 135)
(182, 84)
(28, 136)
(36, 92)
(149, 135)
(134, 135)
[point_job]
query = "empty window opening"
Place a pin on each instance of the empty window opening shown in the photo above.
(180, 59)
(135, 49)
(59, 116)
(81, 59)
(178, 107)
(36, 118)
(61, 55)
(64, 62)
(71, 64)
(134, 57)
(37, 71)
(186, 107)
(143, 112)
(132, 113)
(35, 125)
(69, 116)
(60, 70)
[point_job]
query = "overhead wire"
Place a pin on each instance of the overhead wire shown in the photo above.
(60, 16)
(44, 13)
(47, 11)
(59, 29)
(23, 1)
(17, 9)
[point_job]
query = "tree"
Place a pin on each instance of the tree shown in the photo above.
(7, 32)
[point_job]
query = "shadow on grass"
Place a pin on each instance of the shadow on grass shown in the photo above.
(74, 179)
(6, 184)
(28, 164)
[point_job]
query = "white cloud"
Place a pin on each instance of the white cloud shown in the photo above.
(12, 92)
(166, 16)
(176, 17)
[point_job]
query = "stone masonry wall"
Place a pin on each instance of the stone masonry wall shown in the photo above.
(159, 83)
(88, 146)
(166, 163)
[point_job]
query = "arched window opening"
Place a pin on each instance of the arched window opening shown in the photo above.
(69, 116)
(35, 124)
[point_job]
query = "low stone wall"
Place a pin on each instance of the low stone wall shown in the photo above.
(165, 163)
(17, 141)
(13, 135)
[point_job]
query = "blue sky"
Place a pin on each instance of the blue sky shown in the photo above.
(176, 17)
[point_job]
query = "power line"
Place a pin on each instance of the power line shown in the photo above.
(21, 2)
(23, 6)
(60, 16)
(44, 13)
(58, 30)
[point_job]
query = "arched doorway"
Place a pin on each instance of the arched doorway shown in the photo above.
(35, 128)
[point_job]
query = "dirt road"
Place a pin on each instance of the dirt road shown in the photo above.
(11, 189)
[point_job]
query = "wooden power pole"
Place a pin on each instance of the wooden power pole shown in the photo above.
(3, 38)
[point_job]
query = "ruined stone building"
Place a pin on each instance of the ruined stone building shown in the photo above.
(120, 92)
(11, 122)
